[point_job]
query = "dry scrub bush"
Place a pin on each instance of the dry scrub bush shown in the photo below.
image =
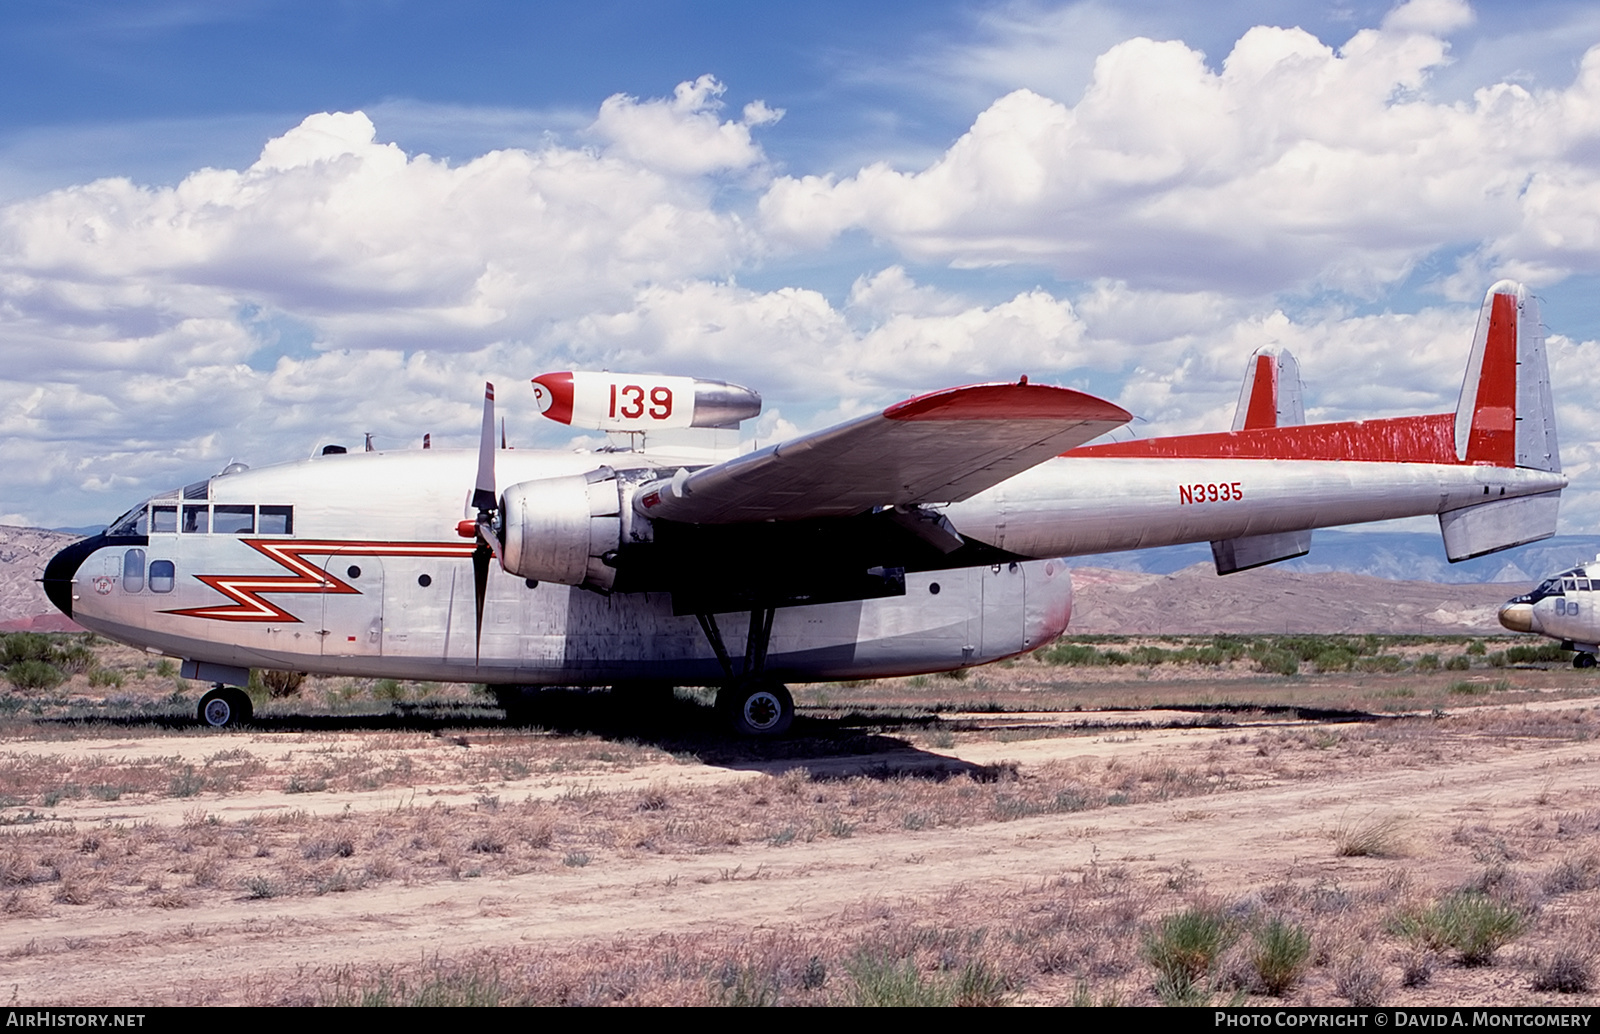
(1360, 982)
(1567, 970)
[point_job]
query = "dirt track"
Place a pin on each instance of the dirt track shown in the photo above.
(169, 936)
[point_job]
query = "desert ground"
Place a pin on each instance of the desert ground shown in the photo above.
(1118, 820)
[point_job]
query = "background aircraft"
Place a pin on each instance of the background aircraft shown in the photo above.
(1562, 607)
(924, 537)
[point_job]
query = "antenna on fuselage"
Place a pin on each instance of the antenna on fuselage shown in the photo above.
(369, 442)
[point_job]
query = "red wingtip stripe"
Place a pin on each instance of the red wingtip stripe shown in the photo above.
(1007, 402)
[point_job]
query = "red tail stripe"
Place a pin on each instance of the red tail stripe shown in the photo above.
(1263, 408)
(1494, 413)
(1406, 439)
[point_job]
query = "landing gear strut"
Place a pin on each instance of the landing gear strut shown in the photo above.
(749, 702)
(225, 707)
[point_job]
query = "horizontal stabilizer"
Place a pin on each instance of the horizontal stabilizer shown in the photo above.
(1241, 554)
(1489, 527)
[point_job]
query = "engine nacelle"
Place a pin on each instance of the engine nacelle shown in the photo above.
(560, 529)
(641, 402)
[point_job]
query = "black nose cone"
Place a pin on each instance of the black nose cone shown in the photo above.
(63, 568)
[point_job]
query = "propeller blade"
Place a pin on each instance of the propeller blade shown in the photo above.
(484, 496)
(480, 587)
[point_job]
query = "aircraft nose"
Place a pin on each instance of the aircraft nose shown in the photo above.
(63, 568)
(1517, 616)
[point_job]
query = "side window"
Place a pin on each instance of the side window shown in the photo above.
(277, 520)
(234, 520)
(133, 571)
(162, 575)
(196, 519)
(163, 519)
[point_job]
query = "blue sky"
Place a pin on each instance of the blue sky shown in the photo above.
(840, 215)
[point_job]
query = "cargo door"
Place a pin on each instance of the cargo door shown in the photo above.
(1004, 612)
(352, 618)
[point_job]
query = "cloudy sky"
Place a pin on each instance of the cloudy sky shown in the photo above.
(241, 231)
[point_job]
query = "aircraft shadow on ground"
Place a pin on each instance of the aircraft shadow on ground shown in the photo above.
(830, 747)
(852, 744)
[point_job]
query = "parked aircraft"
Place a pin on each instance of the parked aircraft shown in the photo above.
(1562, 607)
(924, 537)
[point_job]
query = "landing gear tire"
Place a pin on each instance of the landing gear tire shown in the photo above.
(225, 707)
(758, 709)
(1583, 660)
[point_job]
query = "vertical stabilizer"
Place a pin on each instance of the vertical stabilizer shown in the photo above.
(1506, 417)
(1270, 395)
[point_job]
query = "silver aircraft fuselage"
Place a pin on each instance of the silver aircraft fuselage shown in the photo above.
(351, 564)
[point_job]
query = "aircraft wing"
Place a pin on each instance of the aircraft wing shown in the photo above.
(936, 448)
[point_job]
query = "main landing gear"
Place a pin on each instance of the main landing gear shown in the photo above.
(225, 707)
(1583, 660)
(750, 702)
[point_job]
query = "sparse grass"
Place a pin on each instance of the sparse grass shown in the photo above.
(1280, 954)
(1183, 948)
(1470, 923)
(883, 982)
(1372, 837)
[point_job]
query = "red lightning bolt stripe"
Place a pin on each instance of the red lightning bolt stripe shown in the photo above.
(290, 554)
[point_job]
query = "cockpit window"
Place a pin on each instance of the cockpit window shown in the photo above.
(196, 519)
(198, 490)
(131, 523)
(235, 520)
(163, 519)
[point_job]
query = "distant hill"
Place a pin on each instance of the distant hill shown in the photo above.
(1394, 555)
(1268, 600)
(23, 554)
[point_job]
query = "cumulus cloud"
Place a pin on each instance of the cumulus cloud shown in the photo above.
(371, 246)
(682, 136)
(1293, 165)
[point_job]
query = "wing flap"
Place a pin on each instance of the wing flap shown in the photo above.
(937, 448)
